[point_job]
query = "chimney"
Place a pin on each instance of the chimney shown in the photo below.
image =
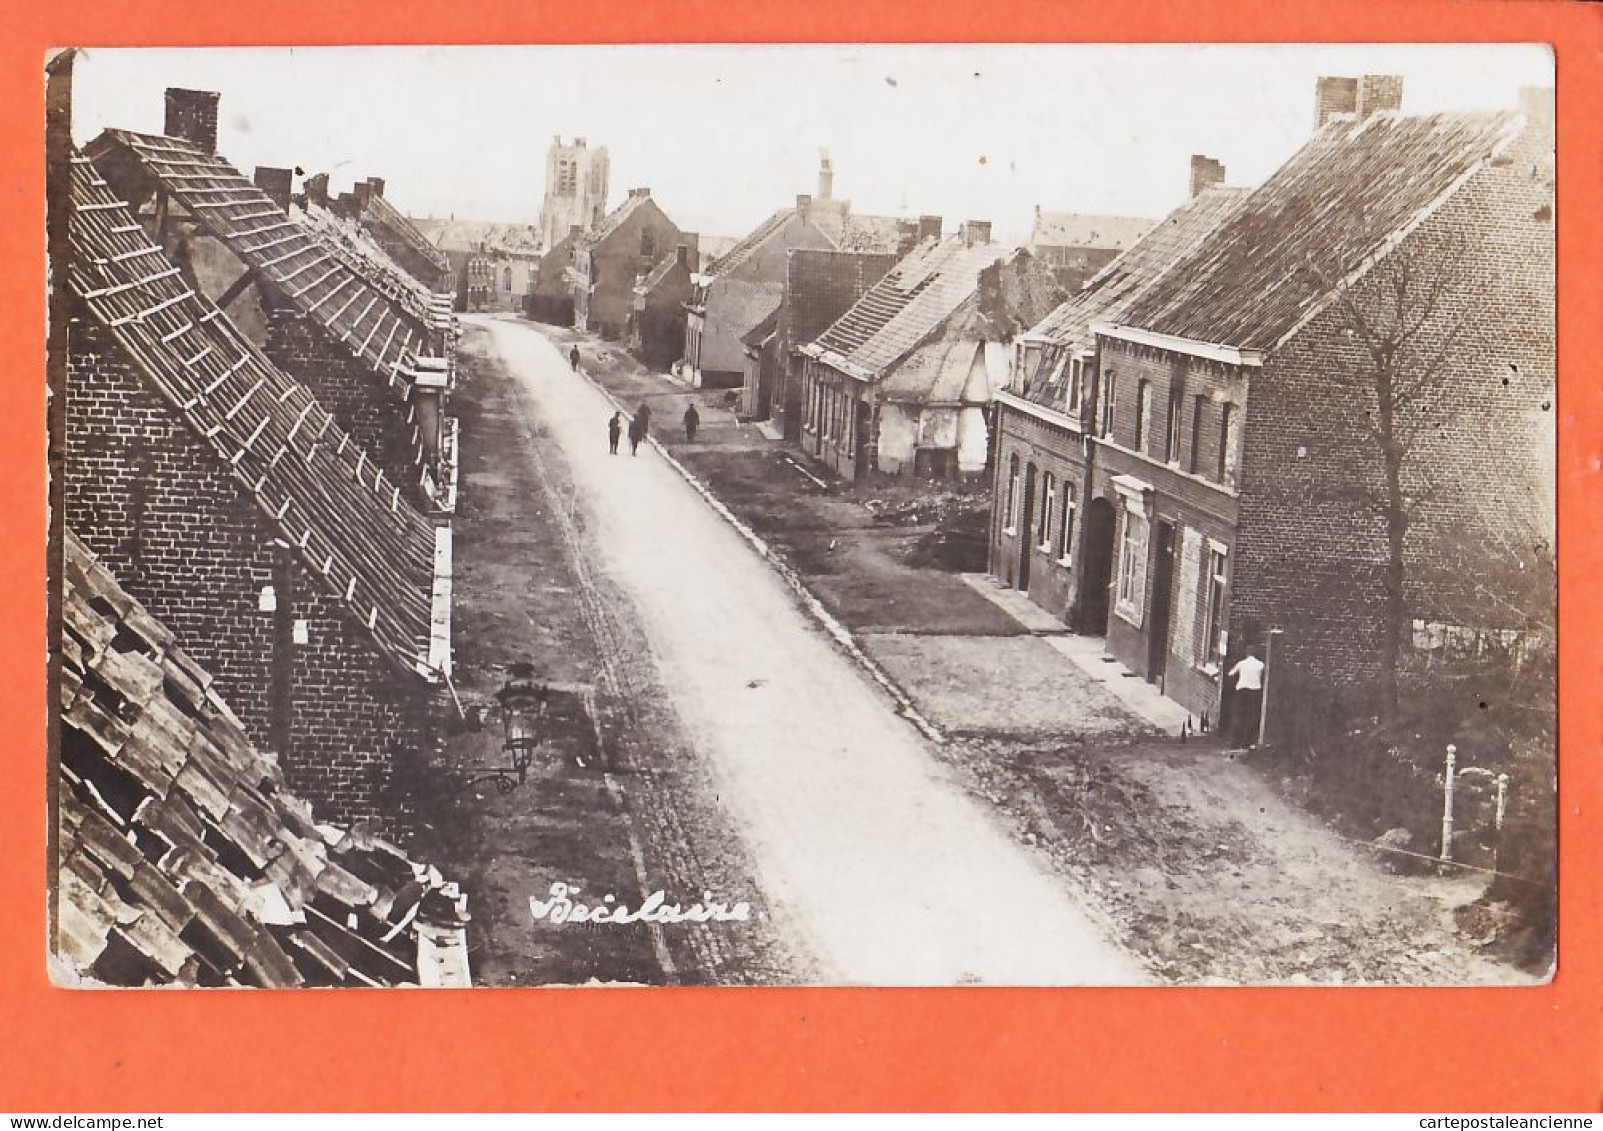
(378, 185)
(976, 232)
(803, 203)
(364, 193)
(642, 192)
(317, 189)
(826, 177)
(275, 183)
(192, 115)
(1334, 96)
(1205, 173)
(1379, 92)
(929, 227)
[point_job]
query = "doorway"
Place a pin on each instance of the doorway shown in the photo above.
(1026, 524)
(1162, 587)
(1096, 567)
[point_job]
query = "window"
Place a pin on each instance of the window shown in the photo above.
(1177, 404)
(1197, 404)
(1132, 567)
(1076, 375)
(1066, 528)
(1043, 528)
(648, 243)
(1143, 410)
(506, 278)
(1010, 514)
(1224, 469)
(1213, 640)
(1110, 393)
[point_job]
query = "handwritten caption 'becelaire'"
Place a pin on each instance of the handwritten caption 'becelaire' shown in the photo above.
(563, 907)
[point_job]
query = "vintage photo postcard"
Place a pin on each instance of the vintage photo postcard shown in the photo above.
(1038, 515)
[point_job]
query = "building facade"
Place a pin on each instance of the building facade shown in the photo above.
(609, 260)
(576, 186)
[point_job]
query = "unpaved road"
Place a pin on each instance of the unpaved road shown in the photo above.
(880, 861)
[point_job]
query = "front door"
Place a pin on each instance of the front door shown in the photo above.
(1162, 587)
(1026, 524)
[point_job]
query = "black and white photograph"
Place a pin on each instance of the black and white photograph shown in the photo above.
(770, 515)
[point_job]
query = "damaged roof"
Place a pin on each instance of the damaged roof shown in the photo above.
(748, 245)
(908, 305)
(386, 215)
(1355, 185)
(351, 528)
(377, 329)
(183, 857)
(1111, 291)
(1082, 230)
(363, 254)
(473, 235)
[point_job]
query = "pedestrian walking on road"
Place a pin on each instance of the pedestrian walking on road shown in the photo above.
(692, 422)
(1248, 705)
(573, 358)
(643, 414)
(637, 433)
(614, 428)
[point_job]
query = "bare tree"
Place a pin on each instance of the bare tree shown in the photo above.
(1405, 318)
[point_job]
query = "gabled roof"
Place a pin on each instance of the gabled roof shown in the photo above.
(362, 254)
(377, 329)
(1154, 253)
(1082, 230)
(751, 243)
(382, 212)
(183, 856)
(1353, 191)
(908, 305)
(661, 271)
(613, 220)
(470, 235)
(351, 527)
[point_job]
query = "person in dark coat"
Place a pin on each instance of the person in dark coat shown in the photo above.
(637, 433)
(573, 358)
(614, 427)
(643, 414)
(692, 422)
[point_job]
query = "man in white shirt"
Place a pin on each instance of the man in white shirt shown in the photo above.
(1248, 703)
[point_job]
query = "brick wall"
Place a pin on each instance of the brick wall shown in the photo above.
(617, 263)
(1052, 449)
(162, 513)
(1312, 553)
(372, 413)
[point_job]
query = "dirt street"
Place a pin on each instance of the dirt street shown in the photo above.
(875, 862)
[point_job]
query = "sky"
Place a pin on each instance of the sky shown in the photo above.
(723, 136)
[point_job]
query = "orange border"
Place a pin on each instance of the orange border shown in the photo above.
(1449, 1050)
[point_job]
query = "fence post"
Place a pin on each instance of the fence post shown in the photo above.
(1447, 802)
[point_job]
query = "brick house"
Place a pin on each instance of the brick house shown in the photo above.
(610, 259)
(401, 239)
(550, 297)
(902, 383)
(1233, 480)
(1076, 245)
(235, 508)
(657, 322)
(820, 286)
(1043, 420)
(352, 335)
(183, 855)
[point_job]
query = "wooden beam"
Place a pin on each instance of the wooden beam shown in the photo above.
(236, 288)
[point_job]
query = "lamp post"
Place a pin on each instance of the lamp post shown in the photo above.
(522, 705)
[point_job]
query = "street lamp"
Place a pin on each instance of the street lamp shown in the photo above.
(522, 705)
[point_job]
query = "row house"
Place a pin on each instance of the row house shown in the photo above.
(1394, 276)
(1045, 423)
(902, 383)
(657, 322)
(820, 286)
(401, 239)
(239, 511)
(183, 855)
(1076, 245)
(612, 257)
(351, 334)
